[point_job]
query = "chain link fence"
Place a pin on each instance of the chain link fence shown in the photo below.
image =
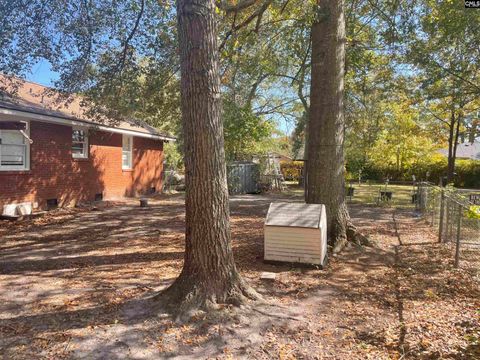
(456, 217)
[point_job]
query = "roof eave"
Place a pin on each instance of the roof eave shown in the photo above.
(72, 121)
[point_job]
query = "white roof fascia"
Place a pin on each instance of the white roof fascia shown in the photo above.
(70, 122)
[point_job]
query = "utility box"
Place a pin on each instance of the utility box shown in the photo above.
(296, 233)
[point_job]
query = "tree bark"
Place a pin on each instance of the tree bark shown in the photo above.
(325, 164)
(454, 131)
(472, 133)
(326, 124)
(209, 275)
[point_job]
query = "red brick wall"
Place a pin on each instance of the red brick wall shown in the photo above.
(55, 174)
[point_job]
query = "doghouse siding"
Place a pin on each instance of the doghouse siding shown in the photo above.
(293, 244)
(296, 232)
(55, 174)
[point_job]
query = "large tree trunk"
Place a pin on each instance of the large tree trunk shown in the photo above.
(325, 158)
(209, 275)
(325, 164)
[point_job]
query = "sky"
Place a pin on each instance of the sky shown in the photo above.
(43, 74)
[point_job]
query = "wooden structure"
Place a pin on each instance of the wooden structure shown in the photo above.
(296, 233)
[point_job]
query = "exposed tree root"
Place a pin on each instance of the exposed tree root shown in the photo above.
(339, 245)
(357, 237)
(279, 316)
(354, 236)
(189, 295)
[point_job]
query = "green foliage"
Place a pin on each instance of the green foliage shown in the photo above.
(444, 51)
(245, 133)
(430, 168)
(173, 156)
(467, 174)
(265, 52)
(402, 144)
(265, 65)
(388, 138)
(473, 212)
(435, 166)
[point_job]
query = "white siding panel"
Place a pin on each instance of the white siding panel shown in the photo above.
(294, 244)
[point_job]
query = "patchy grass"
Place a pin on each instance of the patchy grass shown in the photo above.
(369, 194)
(77, 284)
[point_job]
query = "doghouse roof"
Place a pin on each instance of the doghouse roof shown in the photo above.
(294, 214)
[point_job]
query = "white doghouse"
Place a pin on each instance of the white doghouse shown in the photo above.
(296, 233)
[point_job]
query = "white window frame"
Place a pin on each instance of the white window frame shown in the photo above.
(84, 154)
(26, 165)
(127, 152)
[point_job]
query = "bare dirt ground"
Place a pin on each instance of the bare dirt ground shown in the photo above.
(77, 284)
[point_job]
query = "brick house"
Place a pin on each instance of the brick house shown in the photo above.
(52, 154)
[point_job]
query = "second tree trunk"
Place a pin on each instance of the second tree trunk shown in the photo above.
(325, 158)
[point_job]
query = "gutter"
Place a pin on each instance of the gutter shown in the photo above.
(71, 121)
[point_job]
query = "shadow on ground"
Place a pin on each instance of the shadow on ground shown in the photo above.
(78, 284)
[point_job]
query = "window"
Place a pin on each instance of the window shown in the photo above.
(126, 152)
(14, 150)
(79, 144)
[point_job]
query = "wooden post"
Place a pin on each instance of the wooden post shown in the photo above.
(459, 229)
(442, 205)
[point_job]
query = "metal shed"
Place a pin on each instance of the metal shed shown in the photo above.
(243, 177)
(296, 232)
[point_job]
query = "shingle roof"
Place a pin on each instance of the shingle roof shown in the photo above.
(29, 97)
(294, 214)
(466, 150)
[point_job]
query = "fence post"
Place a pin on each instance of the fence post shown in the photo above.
(418, 202)
(459, 227)
(447, 234)
(442, 204)
(433, 200)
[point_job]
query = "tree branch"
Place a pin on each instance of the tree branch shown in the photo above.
(257, 13)
(436, 116)
(130, 37)
(455, 74)
(262, 111)
(229, 8)
(253, 89)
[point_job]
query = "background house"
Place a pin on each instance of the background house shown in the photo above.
(467, 150)
(52, 154)
(271, 161)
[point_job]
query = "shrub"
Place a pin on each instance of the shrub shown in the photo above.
(474, 212)
(467, 172)
(291, 170)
